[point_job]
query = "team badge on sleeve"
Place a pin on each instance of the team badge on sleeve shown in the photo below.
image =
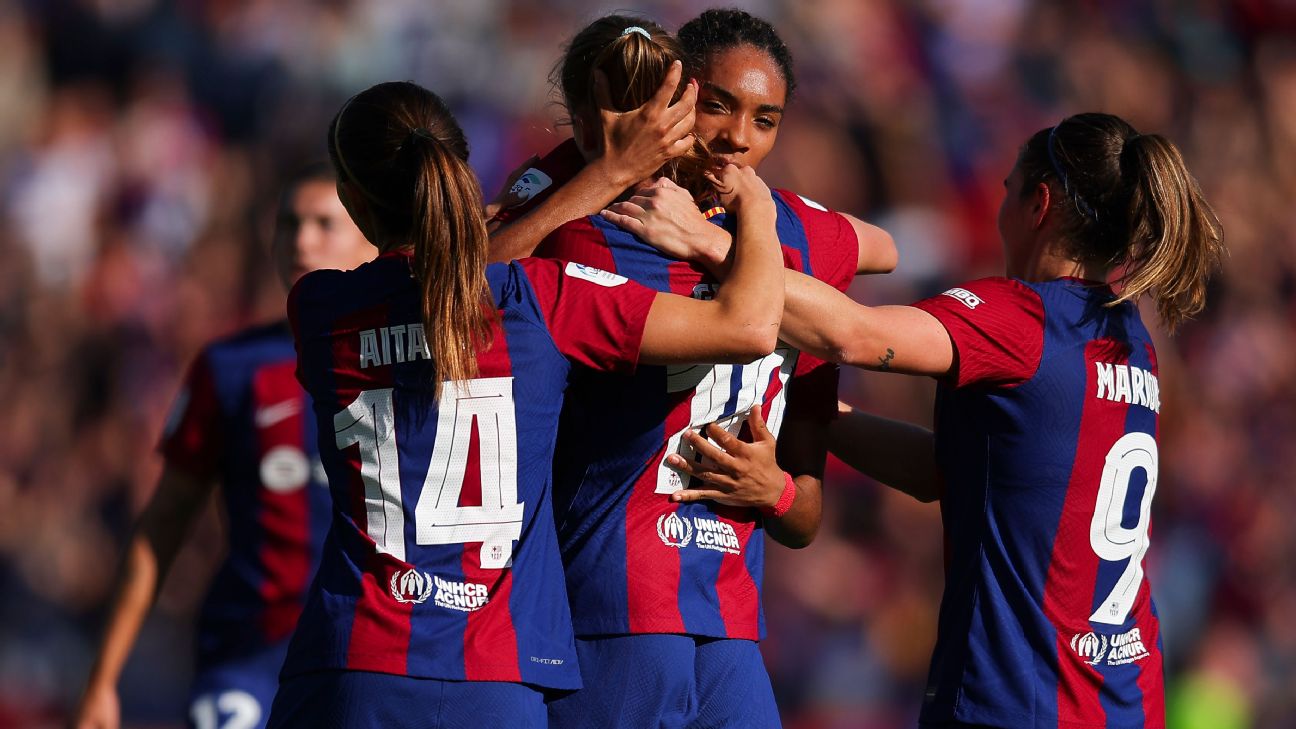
(969, 299)
(531, 183)
(595, 275)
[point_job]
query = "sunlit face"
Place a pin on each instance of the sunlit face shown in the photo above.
(740, 104)
(313, 231)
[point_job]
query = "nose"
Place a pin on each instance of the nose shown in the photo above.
(735, 133)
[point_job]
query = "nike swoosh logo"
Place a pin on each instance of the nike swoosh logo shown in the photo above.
(271, 414)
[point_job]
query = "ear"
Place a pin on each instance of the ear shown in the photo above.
(587, 138)
(357, 206)
(1041, 203)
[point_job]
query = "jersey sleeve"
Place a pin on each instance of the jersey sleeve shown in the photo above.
(535, 185)
(578, 240)
(831, 241)
(193, 437)
(997, 328)
(596, 318)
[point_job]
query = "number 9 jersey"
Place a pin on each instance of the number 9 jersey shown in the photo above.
(442, 561)
(1046, 436)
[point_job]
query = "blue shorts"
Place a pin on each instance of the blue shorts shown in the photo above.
(674, 681)
(347, 699)
(236, 693)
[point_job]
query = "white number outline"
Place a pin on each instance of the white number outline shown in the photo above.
(1110, 540)
(369, 421)
(243, 708)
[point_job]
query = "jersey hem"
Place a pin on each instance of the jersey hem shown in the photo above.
(614, 627)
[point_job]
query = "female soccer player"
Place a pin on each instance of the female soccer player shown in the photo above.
(440, 600)
(1045, 454)
(239, 422)
(666, 601)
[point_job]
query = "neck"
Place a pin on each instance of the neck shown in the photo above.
(1046, 264)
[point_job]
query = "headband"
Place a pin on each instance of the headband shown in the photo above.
(636, 29)
(1081, 205)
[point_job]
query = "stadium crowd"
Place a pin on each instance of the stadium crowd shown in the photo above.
(142, 143)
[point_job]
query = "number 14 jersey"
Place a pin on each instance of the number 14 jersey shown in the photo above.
(441, 561)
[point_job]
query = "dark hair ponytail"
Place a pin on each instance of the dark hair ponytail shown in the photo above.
(1128, 200)
(635, 54)
(402, 149)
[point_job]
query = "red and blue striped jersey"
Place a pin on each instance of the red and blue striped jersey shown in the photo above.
(1046, 436)
(242, 419)
(442, 561)
(635, 561)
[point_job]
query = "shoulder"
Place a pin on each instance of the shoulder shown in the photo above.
(996, 326)
(997, 292)
(799, 203)
(320, 297)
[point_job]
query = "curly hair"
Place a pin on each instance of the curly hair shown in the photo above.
(720, 29)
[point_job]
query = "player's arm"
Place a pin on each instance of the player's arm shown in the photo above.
(742, 322)
(665, 216)
(898, 454)
(877, 249)
(157, 538)
(817, 318)
(635, 144)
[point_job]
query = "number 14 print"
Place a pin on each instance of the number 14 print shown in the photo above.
(370, 422)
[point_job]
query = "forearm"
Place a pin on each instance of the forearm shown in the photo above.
(132, 599)
(152, 548)
(591, 190)
(798, 527)
(752, 296)
(898, 454)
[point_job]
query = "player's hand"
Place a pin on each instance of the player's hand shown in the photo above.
(665, 216)
(735, 473)
(740, 187)
(100, 709)
(638, 142)
(507, 197)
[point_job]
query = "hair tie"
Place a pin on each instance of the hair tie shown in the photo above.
(1081, 205)
(422, 133)
(636, 29)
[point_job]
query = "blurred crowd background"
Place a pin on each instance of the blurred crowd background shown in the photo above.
(142, 143)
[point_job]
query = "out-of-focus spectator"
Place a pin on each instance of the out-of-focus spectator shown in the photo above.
(141, 142)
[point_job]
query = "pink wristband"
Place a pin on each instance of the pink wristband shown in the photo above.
(784, 504)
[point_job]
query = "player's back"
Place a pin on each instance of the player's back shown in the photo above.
(1047, 618)
(442, 560)
(243, 419)
(636, 562)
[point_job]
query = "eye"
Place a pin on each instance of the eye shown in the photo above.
(766, 122)
(713, 106)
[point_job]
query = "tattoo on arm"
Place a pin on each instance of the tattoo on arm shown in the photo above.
(884, 363)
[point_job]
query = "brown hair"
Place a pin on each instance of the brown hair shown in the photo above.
(404, 152)
(1128, 200)
(635, 54)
